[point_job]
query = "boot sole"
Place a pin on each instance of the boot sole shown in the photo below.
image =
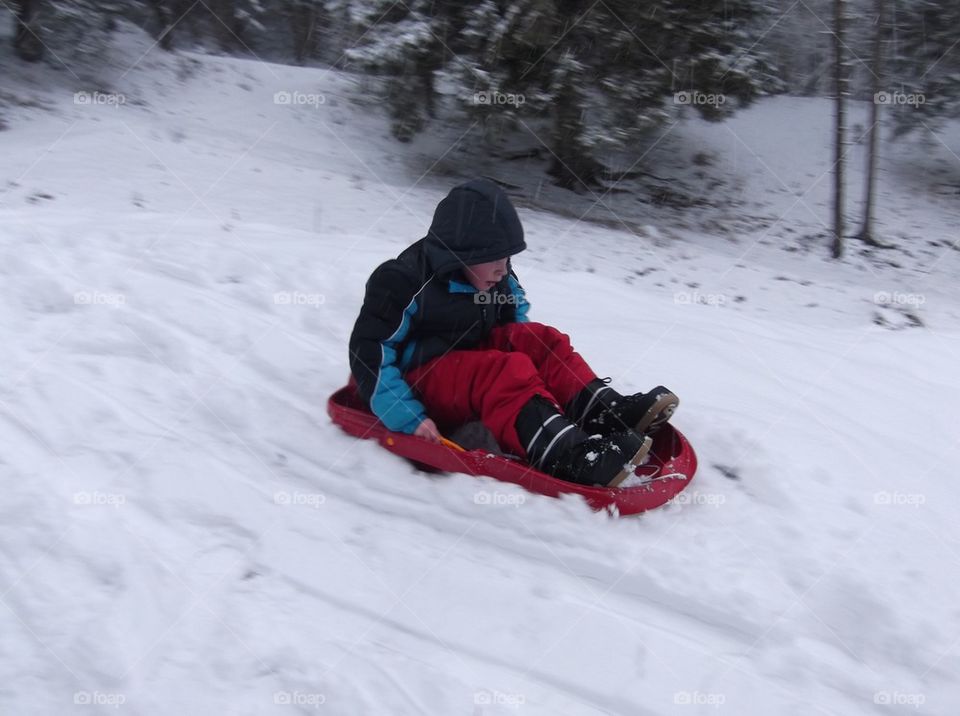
(659, 413)
(634, 462)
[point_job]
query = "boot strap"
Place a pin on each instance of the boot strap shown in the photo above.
(577, 411)
(539, 464)
(550, 432)
(593, 399)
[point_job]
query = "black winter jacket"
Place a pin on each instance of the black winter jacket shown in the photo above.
(420, 305)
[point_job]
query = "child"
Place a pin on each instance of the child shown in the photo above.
(443, 338)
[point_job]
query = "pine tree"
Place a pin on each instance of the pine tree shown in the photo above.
(403, 42)
(305, 17)
(233, 24)
(925, 63)
(585, 77)
(77, 32)
(26, 31)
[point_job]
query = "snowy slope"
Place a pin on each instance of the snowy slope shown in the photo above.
(183, 531)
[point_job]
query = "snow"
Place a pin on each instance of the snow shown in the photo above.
(182, 530)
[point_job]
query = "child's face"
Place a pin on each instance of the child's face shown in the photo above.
(484, 276)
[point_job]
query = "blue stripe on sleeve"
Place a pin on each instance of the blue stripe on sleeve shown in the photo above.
(393, 401)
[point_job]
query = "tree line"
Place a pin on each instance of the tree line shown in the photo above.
(592, 77)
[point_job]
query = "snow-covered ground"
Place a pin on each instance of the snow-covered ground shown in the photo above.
(183, 531)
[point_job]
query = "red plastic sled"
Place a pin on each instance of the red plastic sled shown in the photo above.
(670, 469)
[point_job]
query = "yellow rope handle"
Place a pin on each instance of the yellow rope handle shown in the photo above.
(450, 444)
(443, 441)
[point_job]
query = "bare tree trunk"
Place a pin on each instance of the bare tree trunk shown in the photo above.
(26, 36)
(303, 23)
(165, 22)
(573, 166)
(226, 26)
(427, 67)
(866, 232)
(839, 78)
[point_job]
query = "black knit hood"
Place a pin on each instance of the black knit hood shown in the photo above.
(474, 223)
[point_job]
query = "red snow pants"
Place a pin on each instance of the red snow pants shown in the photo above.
(495, 380)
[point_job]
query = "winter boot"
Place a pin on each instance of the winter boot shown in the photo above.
(598, 408)
(558, 447)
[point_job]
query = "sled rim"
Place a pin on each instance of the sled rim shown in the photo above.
(670, 470)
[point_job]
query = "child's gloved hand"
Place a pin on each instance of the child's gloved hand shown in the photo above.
(428, 429)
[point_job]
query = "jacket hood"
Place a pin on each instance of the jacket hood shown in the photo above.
(473, 224)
